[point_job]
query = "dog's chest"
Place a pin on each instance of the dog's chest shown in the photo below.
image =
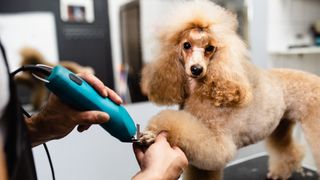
(205, 112)
(192, 84)
(246, 125)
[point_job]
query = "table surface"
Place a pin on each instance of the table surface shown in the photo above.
(257, 169)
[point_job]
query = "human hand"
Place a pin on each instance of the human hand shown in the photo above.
(3, 163)
(160, 160)
(56, 119)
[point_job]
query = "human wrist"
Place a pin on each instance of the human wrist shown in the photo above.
(147, 174)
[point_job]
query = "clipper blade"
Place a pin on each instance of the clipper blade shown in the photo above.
(137, 138)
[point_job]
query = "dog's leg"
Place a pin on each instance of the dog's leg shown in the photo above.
(204, 148)
(193, 173)
(285, 154)
(311, 129)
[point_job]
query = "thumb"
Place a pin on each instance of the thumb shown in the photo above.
(138, 152)
(83, 127)
(163, 135)
(92, 117)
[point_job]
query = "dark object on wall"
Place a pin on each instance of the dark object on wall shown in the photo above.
(131, 48)
(315, 28)
(85, 43)
(257, 169)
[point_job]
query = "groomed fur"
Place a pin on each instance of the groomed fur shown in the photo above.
(230, 103)
(173, 92)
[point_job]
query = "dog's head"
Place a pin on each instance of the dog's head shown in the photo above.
(197, 48)
(200, 43)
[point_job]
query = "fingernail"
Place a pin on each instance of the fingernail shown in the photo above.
(104, 116)
(120, 100)
(105, 92)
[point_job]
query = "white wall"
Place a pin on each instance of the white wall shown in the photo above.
(287, 19)
(258, 32)
(43, 38)
(152, 14)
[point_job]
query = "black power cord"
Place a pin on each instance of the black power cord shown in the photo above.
(44, 145)
(44, 71)
(33, 69)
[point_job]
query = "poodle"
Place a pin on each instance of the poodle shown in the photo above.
(225, 101)
(39, 91)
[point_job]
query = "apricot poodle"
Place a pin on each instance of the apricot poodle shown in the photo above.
(226, 101)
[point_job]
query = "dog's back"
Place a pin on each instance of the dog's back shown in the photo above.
(301, 89)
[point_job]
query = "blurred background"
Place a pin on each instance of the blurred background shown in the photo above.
(115, 38)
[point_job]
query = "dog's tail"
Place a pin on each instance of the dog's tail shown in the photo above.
(32, 56)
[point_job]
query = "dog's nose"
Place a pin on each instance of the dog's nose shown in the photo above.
(196, 69)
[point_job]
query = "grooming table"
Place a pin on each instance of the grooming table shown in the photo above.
(257, 169)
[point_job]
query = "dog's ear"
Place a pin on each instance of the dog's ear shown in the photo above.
(227, 83)
(231, 20)
(164, 81)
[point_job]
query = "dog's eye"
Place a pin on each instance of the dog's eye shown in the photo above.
(210, 48)
(186, 45)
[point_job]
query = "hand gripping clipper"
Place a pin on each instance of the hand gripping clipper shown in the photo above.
(76, 92)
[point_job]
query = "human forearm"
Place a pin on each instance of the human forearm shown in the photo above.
(142, 175)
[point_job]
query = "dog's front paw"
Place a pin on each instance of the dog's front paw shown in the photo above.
(147, 138)
(274, 176)
(281, 173)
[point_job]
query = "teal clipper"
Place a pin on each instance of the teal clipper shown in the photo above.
(76, 92)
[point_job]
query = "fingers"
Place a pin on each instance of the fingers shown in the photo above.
(138, 152)
(95, 83)
(162, 136)
(113, 96)
(180, 152)
(182, 157)
(91, 117)
(100, 87)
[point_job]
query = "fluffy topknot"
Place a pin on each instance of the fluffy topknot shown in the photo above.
(199, 13)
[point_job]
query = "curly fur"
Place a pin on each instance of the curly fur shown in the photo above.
(174, 91)
(231, 103)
